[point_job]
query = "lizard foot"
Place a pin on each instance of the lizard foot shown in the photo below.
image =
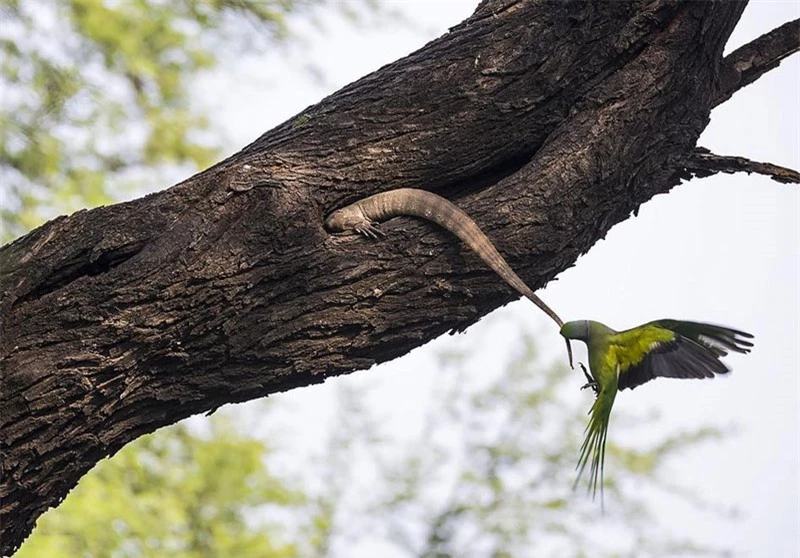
(370, 230)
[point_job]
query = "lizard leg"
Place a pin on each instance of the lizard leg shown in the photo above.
(369, 230)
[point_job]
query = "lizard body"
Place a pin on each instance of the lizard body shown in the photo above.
(363, 215)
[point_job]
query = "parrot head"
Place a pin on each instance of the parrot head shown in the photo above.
(578, 330)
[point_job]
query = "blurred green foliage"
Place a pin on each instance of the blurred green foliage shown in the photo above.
(96, 95)
(173, 493)
(490, 471)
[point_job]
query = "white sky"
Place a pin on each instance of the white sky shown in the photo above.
(724, 249)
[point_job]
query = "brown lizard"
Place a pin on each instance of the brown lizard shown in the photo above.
(363, 215)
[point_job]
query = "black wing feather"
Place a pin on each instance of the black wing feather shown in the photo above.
(716, 338)
(694, 353)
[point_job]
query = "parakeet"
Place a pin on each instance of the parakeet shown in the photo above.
(626, 359)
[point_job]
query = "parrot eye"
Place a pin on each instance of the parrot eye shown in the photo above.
(576, 330)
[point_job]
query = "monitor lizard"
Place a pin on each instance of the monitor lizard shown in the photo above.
(363, 215)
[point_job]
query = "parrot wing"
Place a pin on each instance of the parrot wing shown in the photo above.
(675, 349)
(717, 339)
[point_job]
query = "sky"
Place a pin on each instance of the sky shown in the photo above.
(724, 249)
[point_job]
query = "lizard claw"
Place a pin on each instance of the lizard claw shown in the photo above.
(370, 230)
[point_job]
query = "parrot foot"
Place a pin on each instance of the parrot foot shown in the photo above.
(591, 383)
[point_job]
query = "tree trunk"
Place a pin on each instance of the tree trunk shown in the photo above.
(547, 122)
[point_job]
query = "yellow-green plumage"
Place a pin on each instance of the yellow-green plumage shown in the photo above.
(626, 359)
(594, 445)
(629, 347)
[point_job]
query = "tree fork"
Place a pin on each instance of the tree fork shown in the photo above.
(547, 122)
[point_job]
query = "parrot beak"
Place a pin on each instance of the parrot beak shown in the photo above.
(569, 352)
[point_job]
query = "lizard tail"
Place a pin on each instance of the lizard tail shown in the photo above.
(431, 207)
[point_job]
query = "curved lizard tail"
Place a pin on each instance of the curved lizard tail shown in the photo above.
(432, 207)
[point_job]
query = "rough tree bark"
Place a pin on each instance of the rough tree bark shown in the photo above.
(547, 122)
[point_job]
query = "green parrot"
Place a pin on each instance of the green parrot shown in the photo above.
(626, 359)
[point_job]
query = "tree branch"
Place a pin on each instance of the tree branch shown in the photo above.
(749, 62)
(702, 163)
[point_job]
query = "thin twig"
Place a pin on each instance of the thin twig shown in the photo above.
(703, 163)
(749, 62)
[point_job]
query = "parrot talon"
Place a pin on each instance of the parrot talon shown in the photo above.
(590, 383)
